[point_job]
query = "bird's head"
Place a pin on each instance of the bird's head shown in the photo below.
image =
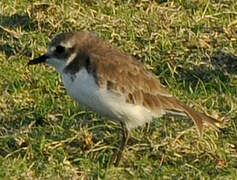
(62, 50)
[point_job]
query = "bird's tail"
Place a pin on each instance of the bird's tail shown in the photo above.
(198, 117)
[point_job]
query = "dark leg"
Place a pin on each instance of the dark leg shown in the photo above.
(123, 143)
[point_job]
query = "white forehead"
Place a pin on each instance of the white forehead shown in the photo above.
(67, 44)
(51, 49)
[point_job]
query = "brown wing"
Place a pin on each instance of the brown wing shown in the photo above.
(124, 75)
(121, 72)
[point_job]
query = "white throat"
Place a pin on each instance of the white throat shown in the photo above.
(58, 64)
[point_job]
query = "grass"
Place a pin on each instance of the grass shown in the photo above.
(190, 45)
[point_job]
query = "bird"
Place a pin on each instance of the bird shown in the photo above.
(113, 83)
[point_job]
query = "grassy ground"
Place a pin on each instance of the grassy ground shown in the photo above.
(191, 45)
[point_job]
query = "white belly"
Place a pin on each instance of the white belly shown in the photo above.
(84, 90)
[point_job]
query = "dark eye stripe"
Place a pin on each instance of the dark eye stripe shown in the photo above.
(60, 49)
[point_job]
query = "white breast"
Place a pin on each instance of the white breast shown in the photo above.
(82, 88)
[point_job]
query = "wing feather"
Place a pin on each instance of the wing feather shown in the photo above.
(127, 76)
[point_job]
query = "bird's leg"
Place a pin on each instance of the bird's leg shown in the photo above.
(123, 143)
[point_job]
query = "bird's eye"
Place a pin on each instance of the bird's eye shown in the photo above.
(60, 49)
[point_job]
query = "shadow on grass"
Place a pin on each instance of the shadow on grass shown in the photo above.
(225, 62)
(8, 31)
(7, 49)
(221, 64)
(10, 25)
(16, 21)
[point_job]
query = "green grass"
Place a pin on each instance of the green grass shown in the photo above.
(190, 45)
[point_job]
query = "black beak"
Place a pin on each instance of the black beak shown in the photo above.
(38, 60)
